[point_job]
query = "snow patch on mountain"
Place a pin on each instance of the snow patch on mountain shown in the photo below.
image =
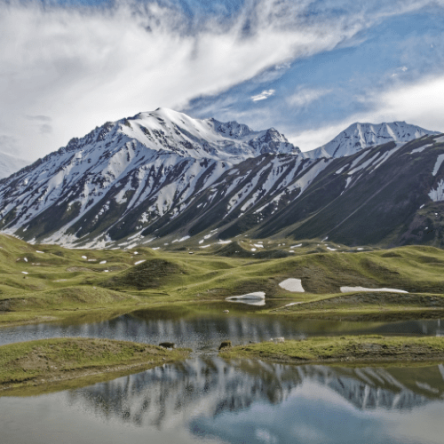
(437, 195)
(438, 164)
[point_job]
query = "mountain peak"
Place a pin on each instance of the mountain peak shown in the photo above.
(359, 136)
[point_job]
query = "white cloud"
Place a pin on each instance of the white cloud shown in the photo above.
(304, 97)
(418, 103)
(263, 95)
(313, 138)
(81, 67)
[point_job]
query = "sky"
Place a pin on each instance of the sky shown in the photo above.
(308, 68)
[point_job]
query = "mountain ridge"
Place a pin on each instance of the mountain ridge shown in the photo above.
(360, 136)
(162, 173)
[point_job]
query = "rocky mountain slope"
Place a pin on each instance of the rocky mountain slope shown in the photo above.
(366, 135)
(147, 165)
(163, 176)
(389, 195)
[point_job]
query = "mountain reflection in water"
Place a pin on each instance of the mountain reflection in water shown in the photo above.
(204, 332)
(212, 400)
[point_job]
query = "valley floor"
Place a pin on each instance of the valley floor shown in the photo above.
(47, 283)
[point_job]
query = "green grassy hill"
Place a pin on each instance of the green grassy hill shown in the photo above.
(48, 282)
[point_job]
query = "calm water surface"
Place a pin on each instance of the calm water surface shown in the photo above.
(209, 400)
(205, 333)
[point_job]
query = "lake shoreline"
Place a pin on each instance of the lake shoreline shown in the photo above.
(61, 363)
(350, 350)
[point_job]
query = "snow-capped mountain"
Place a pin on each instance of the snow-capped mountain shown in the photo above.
(10, 164)
(366, 135)
(165, 175)
(392, 194)
(141, 167)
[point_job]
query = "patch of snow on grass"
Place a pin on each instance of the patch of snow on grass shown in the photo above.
(84, 257)
(221, 242)
(103, 262)
(293, 285)
(205, 246)
(139, 262)
(253, 249)
(24, 272)
(41, 252)
(331, 249)
(106, 271)
(296, 246)
(388, 290)
(258, 245)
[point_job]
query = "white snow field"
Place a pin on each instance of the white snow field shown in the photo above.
(388, 290)
(293, 285)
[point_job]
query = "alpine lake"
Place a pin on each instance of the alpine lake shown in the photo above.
(206, 399)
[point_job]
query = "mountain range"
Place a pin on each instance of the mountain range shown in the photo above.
(163, 175)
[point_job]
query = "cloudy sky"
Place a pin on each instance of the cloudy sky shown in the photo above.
(309, 68)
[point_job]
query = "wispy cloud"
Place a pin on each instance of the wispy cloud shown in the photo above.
(263, 95)
(306, 96)
(39, 118)
(419, 103)
(84, 66)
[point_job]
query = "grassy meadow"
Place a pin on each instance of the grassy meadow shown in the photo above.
(47, 282)
(44, 283)
(59, 361)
